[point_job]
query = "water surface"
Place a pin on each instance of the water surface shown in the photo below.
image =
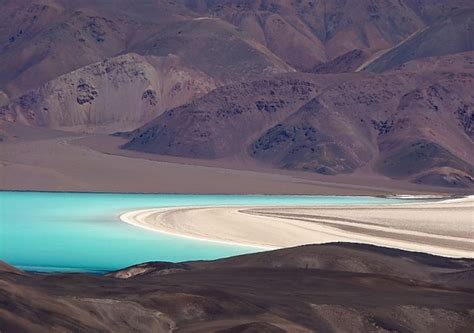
(82, 232)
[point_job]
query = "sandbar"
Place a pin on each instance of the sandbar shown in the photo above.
(443, 228)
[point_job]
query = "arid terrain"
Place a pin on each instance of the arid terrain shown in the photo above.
(443, 228)
(377, 94)
(328, 97)
(39, 159)
(303, 289)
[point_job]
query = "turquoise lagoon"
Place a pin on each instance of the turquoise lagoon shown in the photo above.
(82, 232)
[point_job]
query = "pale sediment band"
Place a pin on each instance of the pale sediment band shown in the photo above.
(443, 228)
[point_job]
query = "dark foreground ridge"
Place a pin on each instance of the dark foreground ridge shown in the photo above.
(336, 287)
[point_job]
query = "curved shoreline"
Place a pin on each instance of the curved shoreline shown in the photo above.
(133, 219)
(421, 227)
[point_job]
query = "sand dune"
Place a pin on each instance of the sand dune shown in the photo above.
(443, 228)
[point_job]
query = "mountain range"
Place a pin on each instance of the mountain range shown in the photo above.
(321, 86)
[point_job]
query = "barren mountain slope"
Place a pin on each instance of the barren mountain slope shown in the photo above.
(117, 94)
(452, 35)
(349, 121)
(346, 63)
(303, 289)
(402, 125)
(223, 122)
(107, 66)
(215, 47)
(43, 39)
(306, 33)
(458, 62)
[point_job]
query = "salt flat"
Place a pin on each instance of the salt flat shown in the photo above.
(443, 228)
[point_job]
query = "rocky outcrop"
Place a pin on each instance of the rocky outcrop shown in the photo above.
(465, 114)
(221, 123)
(301, 142)
(86, 93)
(118, 94)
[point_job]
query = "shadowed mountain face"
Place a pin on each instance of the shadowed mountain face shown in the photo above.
(243, 80)
(453, 35)
(302, 289)
(223, 121)
(403, 125)
(346, 63)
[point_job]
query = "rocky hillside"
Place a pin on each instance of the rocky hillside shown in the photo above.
(452, 35)
(403, 125)
(224, 121)
(42, 39)
(332, 87)
(458, 62)
(307, 33)
(374, 289)
(117, 94)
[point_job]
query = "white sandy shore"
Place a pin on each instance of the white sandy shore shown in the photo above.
(444, 228)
